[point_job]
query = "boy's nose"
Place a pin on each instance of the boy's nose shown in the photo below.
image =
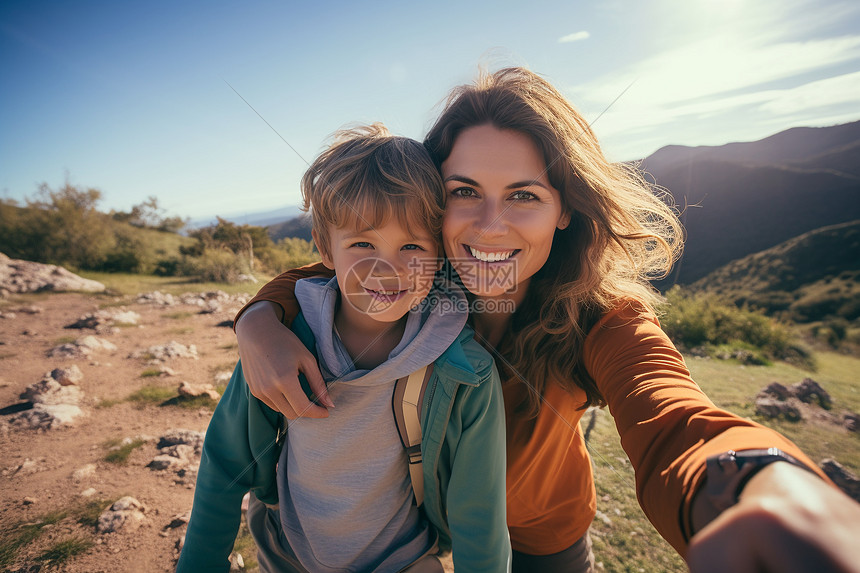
(386, 268)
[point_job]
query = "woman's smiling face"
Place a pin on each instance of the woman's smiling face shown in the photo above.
(501, 211)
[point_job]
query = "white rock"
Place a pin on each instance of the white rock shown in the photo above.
(51, 392)
(236, 562)
(67, 376)
(84, 472)
(49, 416)
(188, 390)
(125, 318)
(167, 351)
(125, 514)
(223, 377)
(26, 276)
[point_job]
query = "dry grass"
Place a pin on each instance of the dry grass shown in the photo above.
(629, 543)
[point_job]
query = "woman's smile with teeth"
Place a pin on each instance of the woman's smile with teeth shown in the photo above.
(491, 257)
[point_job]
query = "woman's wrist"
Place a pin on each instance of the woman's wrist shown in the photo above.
(730, 476)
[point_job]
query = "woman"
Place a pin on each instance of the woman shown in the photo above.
(556, 244)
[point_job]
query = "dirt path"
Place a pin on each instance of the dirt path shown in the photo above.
(39, 466)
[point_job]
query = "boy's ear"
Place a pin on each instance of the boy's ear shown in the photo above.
(324, 254)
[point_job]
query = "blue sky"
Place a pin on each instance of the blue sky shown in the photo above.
(132, 98)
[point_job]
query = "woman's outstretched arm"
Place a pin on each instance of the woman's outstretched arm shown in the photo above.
(272, 356)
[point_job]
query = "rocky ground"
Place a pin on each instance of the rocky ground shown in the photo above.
(85, 379)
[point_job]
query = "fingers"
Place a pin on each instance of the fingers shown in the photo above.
(292, 403)
(310, 369)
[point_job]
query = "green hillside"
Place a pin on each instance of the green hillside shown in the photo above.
(808, 278)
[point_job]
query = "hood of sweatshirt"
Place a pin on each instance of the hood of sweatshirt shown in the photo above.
(431, 327)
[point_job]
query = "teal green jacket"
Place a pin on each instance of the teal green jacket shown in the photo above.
(463, 448)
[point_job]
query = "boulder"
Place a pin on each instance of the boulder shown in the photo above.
(775, 390)
(844, 479)
(771, 408)
(20, 276)
(809, 391)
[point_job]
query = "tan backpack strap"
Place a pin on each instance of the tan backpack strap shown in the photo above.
(406, 403)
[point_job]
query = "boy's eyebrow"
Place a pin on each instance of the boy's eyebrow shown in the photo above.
(357, 232)
(517, 185)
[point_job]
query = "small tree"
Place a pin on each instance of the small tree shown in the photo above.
(150, 215)
(64, 227)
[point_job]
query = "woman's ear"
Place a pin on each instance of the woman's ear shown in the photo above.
(324, 253)
(563, 221)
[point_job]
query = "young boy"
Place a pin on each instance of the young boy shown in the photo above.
(335, 493)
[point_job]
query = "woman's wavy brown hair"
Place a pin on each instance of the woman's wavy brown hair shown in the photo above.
(622, 233)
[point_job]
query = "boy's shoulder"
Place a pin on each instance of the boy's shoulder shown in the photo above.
(466, 360)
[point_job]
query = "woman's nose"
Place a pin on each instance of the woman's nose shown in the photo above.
(492, 220)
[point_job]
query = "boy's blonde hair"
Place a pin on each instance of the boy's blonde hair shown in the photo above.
(368, 175)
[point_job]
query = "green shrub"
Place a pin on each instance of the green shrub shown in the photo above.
(214, 265)
(702, 320)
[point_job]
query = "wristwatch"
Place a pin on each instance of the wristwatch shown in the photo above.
(725, 478)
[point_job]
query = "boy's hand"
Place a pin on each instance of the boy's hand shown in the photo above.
(272, 357)
(787, 520)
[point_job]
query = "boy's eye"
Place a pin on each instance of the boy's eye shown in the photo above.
(523, 196)
(362, 245)
(464, 192)
(412, 247)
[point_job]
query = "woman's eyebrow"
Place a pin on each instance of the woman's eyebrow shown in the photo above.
(462, 179)
(517, 185)
(528, 183)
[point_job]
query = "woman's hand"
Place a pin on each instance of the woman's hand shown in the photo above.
(272, 357)
(787, 520)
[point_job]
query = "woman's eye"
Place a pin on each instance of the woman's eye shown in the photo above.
(523, 196)
(464, 192)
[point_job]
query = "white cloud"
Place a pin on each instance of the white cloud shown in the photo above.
(715, 66)
(635, 131)
(575, 37)
(844, 89)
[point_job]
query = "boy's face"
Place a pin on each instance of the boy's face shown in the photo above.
(383, 271)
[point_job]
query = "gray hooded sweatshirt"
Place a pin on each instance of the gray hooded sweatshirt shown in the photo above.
(343, 481)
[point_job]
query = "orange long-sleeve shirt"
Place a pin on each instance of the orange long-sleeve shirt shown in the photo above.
(668, 429)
